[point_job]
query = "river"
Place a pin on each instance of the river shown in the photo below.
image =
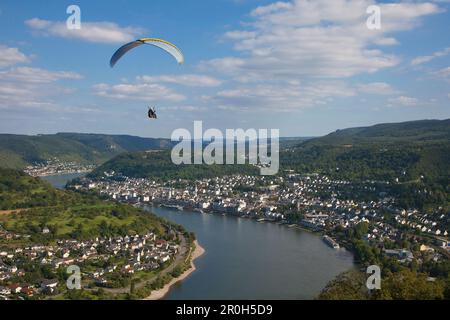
(246, 259)
(59, 181)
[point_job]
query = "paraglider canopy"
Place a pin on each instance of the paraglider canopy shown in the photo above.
(160, 43)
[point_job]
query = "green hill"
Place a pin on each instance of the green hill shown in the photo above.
(18, 151)
(405, 151)
(32, 204)
(410, 156)
(158, 165)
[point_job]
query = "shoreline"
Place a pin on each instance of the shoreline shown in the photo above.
(57, 174)
(161, 293)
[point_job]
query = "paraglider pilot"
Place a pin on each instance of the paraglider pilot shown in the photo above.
(152, 113)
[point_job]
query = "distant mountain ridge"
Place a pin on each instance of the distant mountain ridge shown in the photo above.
(406, 150)
(420, 130)
(18, 151)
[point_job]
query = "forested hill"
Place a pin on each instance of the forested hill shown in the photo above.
(421, 131)
(32, 204)
(406, 151)
(18, 151)
(158, 165)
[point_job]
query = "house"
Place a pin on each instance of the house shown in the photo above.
(5, 290)
(111, 268)
(57, 263)
(101, 281)
(15, 288)
(66, 253)
(46, 283)
(164, 258)
(28, 291)
(426, 248)
(402, 255)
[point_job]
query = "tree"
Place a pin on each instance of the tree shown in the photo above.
(409, 285)
(347, 286)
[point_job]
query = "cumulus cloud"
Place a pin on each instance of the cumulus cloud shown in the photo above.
(388, 41)
(428, 58)
(137, 91)
(300, 54)
(25, 87)
(36, 75)
(381, 88)
(188, 108)
(228, 65)
(102, 32)
(327, 39)
(279, 97)
(152, 88)
(404, 101)
(11, 56)
(189, 80)
(442, 73)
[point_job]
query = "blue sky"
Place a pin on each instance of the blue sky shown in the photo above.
(304, 67)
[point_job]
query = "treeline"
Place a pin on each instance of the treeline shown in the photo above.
(82, 222)
(399, 281)
(158, 165)
(418, 174)
(18, 151)
(403, 285)
(68, 214)
(405, 162)
(21, 191)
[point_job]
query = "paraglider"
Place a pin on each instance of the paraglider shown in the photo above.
(160, 43)
(152, 113)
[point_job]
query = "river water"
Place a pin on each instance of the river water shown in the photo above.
(246, 259)
(59, 181)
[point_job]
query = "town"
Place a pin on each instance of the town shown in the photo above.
(55, 166)
(313, 202)
(104, 262)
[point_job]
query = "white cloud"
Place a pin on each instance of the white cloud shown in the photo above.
(189, 80)
(271, 8)
(442, 73)
(229, 65)
(37, 75)
(103, 32)
(404, 101)
(286, 97)
(25, 87)
(318, 39)
(425, 59)
(239, 35)
(188, 108)
(11, 56)
(299, 54)
(388, 41)
(381, 88)
(137, 91)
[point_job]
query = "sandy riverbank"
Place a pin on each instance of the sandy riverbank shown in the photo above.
(161, 293)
